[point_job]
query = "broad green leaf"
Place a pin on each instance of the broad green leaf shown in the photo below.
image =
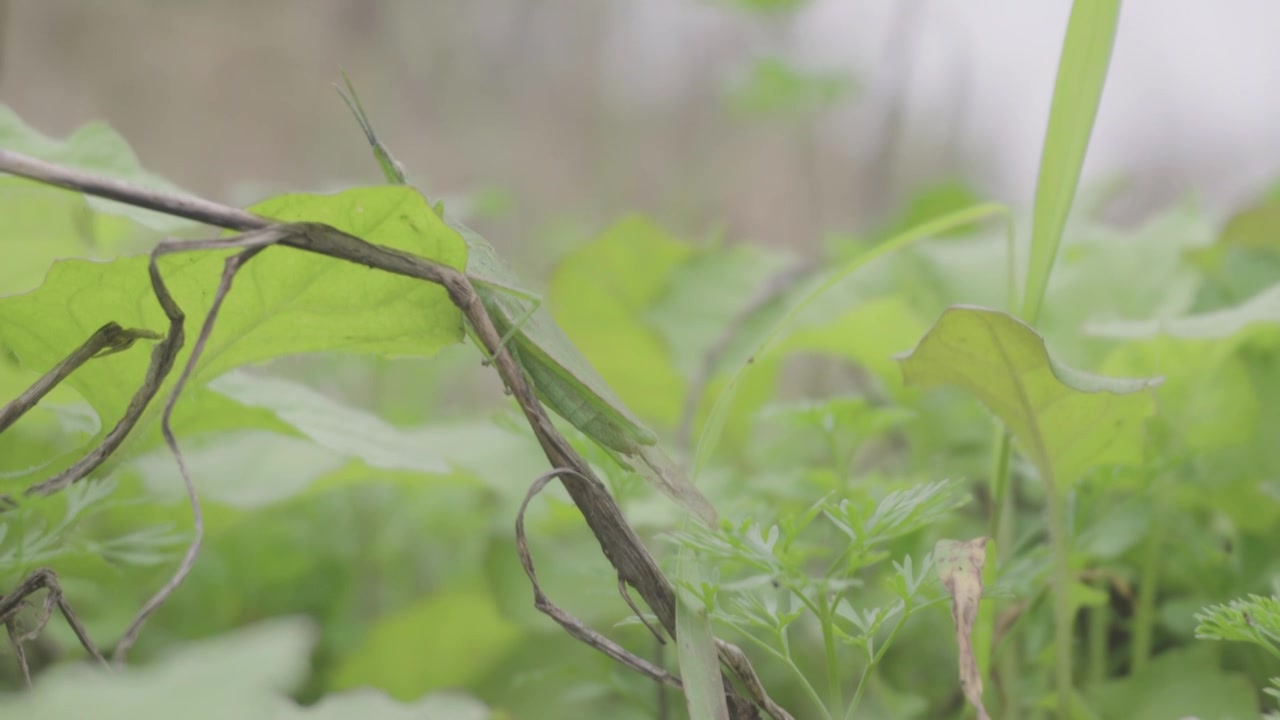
(244, 674)
(40, 224)
(1082, 72)
(462, 632)
(283, 302)
(243, 469)
(600, 294)
(61, 423)
(1209, 399)
(1065, 420)
(98, 148)
(332, 426)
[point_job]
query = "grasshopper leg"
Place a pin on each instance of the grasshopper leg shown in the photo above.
(515, 327)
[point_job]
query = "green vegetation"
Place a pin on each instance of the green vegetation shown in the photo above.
(1057, 482)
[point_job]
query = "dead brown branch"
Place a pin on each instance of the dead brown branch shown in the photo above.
(16, 600)
(108, 339)
(618, 541)
(571, 624)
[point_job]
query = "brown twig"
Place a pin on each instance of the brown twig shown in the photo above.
(736, 660)
(571, 624)
(108, 339)
(162, 359)
(617, 539)
(42, 579)
(19, 651)
(254, 243)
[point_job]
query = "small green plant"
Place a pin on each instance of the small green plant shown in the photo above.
(765, 584)
(1253, 619)
(821, 411)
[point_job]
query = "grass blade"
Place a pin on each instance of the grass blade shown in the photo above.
(1082, 72)
(696, 646)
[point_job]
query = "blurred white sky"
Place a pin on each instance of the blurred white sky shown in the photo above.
(1192, 98)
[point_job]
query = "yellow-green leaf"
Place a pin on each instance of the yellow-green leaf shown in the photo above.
(447, 641)
(600, 295)
(1065, 420)
(284, 302)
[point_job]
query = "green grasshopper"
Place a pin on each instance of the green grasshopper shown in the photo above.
(562, 378)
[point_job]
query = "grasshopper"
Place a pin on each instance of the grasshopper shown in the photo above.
(562, 378)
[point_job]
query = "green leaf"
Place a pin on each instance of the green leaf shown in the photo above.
(98, 148)
(1065, 420)
(462, 627)
(239, 675)
(1253, 619)
(244, 469)
(1209, 401)
(899, 513)
(332, 426)
(62, 423)
(284, 302)
(39, 225)
(1082, 72)
(710, 436)
(599, 295)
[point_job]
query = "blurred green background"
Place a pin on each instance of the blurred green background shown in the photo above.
(650, 168)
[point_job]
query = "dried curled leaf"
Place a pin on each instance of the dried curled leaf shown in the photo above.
(960, 570)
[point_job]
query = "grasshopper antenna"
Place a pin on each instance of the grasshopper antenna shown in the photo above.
(391, 168)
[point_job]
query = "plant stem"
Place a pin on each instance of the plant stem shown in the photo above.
(1144, 614)
(1001, 530)
(1063, 610)
(1000, 492)
(835, 693)
(784, 656)
(873, 659)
